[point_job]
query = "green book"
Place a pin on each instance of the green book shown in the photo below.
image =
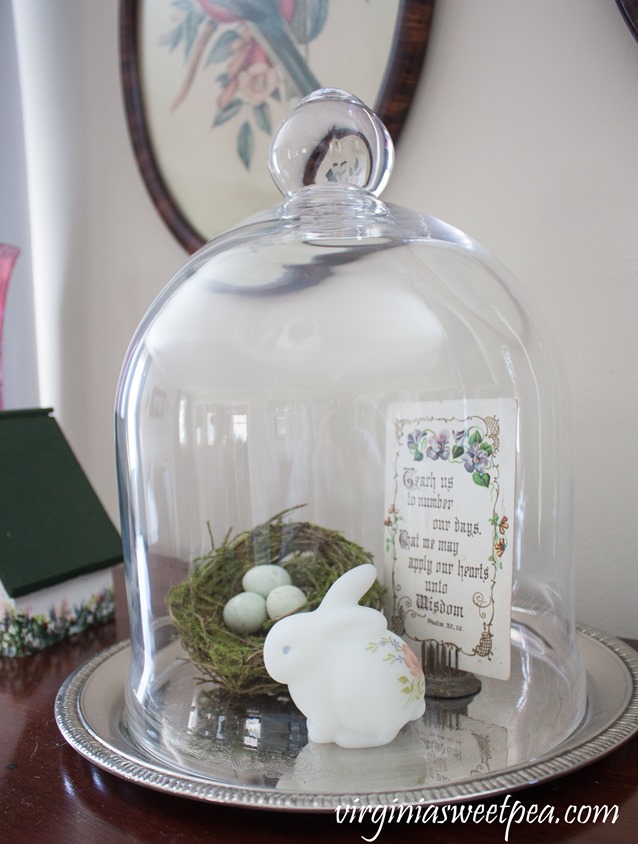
(52, 524)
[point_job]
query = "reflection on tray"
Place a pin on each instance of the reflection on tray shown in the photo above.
(259, 758)
(264, 743)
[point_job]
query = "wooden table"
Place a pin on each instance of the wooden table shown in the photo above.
(49, 793)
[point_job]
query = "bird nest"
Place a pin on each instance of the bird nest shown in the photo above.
(313, 556)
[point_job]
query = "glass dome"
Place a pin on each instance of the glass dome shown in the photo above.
(339, 366)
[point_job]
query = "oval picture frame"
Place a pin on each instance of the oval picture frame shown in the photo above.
(204, 89)
(629, 11)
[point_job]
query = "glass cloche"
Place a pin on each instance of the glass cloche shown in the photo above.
(337, 381)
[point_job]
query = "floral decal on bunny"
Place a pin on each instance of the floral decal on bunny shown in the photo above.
(399, 652)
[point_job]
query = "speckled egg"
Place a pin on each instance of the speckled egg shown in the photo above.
(263, 579)
(245, 613)
(284, 600)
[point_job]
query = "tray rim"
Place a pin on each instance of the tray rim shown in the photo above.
(134, 765)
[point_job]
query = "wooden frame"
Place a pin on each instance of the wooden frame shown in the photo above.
(629, 11)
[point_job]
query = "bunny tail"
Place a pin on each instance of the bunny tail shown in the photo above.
(350, 587)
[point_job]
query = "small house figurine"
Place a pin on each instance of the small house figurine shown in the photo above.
(57, 543)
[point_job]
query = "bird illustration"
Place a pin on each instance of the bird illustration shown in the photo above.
(269, 21)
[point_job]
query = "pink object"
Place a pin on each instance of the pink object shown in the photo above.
(8, 257)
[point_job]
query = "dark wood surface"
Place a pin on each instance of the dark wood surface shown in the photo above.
(49, 793)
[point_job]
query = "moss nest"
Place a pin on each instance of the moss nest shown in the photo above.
(313, 556)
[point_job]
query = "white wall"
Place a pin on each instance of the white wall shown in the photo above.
(20, 369)
(524, 134)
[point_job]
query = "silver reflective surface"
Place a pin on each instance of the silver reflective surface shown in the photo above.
(257, 755)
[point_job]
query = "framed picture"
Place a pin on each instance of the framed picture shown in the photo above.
(629, 10)
(207, 83)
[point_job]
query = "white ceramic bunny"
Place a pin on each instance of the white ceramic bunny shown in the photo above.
(356, 682)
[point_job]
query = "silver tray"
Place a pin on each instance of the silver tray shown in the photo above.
(89, 711)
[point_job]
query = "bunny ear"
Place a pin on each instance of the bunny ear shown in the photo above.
(349, 588)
